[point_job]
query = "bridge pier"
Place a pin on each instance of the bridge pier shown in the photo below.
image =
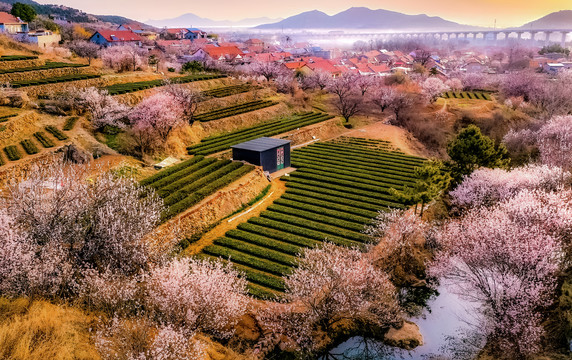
(563, 40)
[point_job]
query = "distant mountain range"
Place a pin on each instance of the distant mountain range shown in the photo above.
(364, 18)
(192, 20)
(556, 20)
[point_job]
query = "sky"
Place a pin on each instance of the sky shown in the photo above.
(479, 12)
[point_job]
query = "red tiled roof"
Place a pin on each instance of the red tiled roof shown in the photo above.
(184, 42)
(177, 31)
(132, 27)
(295, 64)
(6, 18)
(118, 35)
(324, 65)
(216, 52)
(379, 68)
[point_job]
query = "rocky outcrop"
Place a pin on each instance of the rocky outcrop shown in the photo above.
(407, 337)
(75, 154)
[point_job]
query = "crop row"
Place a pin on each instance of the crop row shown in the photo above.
(227, 90)
(53, 80)
(47, 66)
(211, 185)
(7, 117)
(196, 174)
(214, 145)
(125, 88)
(70, 123)
(262, 252)
(234, 110)
(467, 95)
(170, 170)
(190, 170)
(349, 209)
(29, 147)
(325, 208)
(56, 132)
(17, 57)
(376, 155)
(383, 188)
(43, 139)
(383, 181)
(12, 153)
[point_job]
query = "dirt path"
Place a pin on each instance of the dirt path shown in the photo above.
(277, 188)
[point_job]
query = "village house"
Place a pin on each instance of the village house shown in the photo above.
(116, 37)
(9, 24)
(218, 53)
(41, 38)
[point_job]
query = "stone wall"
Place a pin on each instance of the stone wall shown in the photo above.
(5, 65)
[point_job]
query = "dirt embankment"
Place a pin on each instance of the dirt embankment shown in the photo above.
(322, 131)
(209, 211)
(44, 74)
(7, 65)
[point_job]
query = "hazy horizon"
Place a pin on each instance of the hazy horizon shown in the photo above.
(470, 13)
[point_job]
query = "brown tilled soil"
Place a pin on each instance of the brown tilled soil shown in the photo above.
(277, 188)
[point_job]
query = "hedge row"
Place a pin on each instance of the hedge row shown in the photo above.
(385, 163)
(224, 167)
(12, 153)
(234, 110)
(224, 142)
(170, 170)
(70, 123)
(374, 203)
(56, 132)
(200, 194)
(256, 250)
(17, 57)
(352, 174)
(195, 173)
(317, 216)
(272, 233)
(264, 241)
(316, 225)
(29, 147)
(325, 208)
(384, 189)
(44, 140)
(248, 260)
(48, 66)
(374, 197)
(371, 153)
(307, 164)
(227, 90)
(324, 159)
(54, 80)
(347, 209)
(7, 117)
(125, 88)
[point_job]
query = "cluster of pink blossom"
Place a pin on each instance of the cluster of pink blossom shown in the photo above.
(485, 187)
(104, 109)
(64, 222)
(398, 232)
(433, 87)
(153, 119)
(555, 142)
(201, 295)
(454, 84)
(140, 339)
(332, 284)
(506, 258)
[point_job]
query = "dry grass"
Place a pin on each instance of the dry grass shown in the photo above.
(40, 330)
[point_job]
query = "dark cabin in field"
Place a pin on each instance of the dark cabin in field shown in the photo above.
(272, 154)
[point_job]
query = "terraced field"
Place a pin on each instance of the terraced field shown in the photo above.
(234, 110)
(227, 90)
(125, 88)
(183, 185)
(219, 143)
(53, 80)
(338, 189)
(47, 66)
(471, 95)
(33, 145)
(17, 57)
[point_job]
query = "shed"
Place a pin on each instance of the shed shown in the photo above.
(272, 154)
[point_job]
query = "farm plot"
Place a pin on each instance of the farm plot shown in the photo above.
(119, 89)
(336, 191)
(227, 90)
(53, 80)
(471, 95)
(219, 143)
(183, 185)
(46, 66)
(234, 110)
(17, 57)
